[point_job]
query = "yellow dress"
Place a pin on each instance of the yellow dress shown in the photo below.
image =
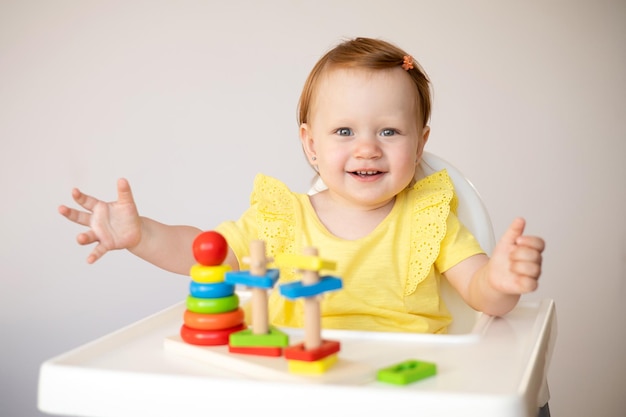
(390, 277)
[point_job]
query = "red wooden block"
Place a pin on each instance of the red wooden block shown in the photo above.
(299, 353)
(257, 350)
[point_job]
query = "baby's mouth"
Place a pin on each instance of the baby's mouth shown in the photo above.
(365, 174)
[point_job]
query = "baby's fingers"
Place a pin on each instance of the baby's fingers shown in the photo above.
(75, 216)
(96, 254)
(524, 284)
(533, 242)
(527, 269)
(526, 261)
(526, 254)
(124, 193)
(87, 238)
(86, 201)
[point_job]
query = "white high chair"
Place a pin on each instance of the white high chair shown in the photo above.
(473, 214)
(504, 375)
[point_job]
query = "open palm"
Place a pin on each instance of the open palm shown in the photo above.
(113, 225)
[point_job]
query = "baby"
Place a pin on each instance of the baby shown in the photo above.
(364, 114)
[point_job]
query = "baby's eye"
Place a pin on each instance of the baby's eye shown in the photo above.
(388, 132)
(344, 131)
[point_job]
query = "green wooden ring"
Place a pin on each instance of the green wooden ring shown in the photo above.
(212, 305)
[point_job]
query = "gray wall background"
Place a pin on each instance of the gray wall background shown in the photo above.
(190, 99)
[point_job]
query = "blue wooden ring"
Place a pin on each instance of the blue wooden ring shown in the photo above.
(217, 290)
(297, 289)
(245, 278)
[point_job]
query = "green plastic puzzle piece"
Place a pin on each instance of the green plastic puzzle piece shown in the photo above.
(407, 372)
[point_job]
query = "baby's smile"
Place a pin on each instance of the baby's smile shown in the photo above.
(366, 174)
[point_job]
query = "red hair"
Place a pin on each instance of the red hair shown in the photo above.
(370, 54)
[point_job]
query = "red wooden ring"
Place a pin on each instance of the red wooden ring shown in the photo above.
(208, 337)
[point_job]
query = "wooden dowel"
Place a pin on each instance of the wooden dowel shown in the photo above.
(258, 267)
(312, 310)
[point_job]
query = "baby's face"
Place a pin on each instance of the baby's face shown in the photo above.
(364, 134)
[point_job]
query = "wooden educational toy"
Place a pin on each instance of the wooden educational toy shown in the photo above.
(262, 339)
(213, 311)
(314, 355)
(214, 331)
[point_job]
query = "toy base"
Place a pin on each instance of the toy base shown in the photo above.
(268, 368)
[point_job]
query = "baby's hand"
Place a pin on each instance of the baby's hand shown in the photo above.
(515, 264)
(114, 225)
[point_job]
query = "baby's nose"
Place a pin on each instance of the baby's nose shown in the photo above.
(367, 148)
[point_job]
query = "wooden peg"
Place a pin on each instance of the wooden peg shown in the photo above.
(258, 267)
(312, 310)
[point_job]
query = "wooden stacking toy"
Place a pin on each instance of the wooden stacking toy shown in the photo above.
(314, 355)
(213, 311)
(262, 339)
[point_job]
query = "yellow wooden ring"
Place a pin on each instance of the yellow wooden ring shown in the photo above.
(208, 274)
(305, 262)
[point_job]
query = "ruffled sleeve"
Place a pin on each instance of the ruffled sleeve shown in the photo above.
(432, 198)
(276, 218)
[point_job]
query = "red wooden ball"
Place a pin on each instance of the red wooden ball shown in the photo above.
(210, 248)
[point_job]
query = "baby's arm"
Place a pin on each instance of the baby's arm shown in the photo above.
(494, 285)
(117, 225)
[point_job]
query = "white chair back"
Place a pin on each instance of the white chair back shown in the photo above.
(474, 215)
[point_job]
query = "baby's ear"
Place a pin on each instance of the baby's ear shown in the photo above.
(308, 143)
(425, 135)
(422, 142)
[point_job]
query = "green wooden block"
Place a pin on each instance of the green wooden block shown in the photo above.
(406, 372)
(245, 338)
